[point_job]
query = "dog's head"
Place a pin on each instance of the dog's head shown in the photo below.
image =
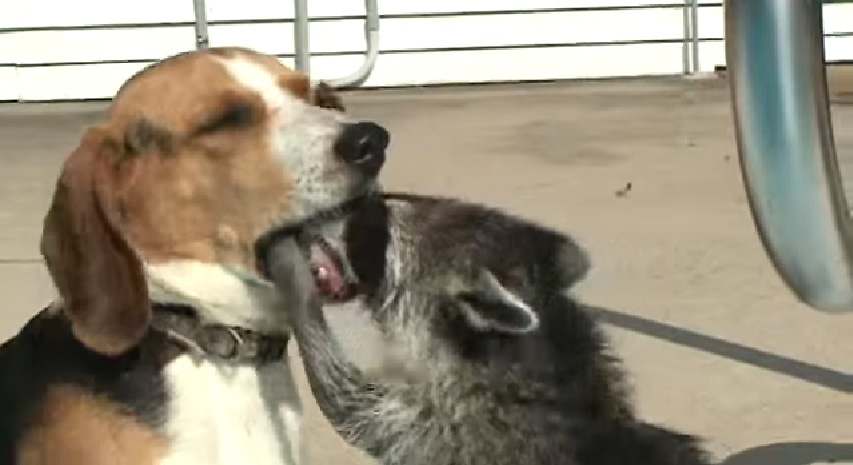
(409, 255)
(200, 156)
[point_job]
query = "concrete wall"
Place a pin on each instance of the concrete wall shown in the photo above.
(59, 49)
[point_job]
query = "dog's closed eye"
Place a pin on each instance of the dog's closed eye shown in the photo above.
(234, 116)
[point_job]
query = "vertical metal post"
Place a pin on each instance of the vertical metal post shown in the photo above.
(685, 47)
(202, 39)
(371, 38)
(302, 60)
(694, 21)
(775, 57)
(301, 39)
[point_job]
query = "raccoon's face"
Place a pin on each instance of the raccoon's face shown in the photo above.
(418, 259)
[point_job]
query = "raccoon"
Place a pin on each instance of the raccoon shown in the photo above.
(501, 366)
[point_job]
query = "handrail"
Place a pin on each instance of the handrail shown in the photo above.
(371, 34)
(301, 37)
(775, 57)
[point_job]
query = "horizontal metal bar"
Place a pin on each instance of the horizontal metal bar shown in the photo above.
(439, 14)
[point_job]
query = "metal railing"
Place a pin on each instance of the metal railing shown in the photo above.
(302, 39)
(371, 38)
(776, 62)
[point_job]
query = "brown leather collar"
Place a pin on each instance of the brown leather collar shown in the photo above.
(180, 323)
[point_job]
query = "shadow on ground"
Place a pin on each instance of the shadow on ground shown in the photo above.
(804, 371)
(793, 453)
(786, 453)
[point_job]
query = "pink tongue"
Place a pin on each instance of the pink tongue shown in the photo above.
(330, 282)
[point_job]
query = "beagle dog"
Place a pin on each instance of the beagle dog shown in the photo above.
(165, 345)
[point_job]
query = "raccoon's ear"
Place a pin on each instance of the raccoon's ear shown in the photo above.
(567, 262)
(572, 263)
(487, 305)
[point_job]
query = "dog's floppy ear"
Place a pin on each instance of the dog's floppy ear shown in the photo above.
(489, 306)
(326, 97)
(96, 271)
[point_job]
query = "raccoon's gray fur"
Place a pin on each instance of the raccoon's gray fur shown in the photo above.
(502, 367)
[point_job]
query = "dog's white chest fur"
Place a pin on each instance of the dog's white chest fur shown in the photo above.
(227, 414)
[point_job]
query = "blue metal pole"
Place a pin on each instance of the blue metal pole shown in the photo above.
(775, 57)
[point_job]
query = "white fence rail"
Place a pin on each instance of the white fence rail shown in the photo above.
(55, 50)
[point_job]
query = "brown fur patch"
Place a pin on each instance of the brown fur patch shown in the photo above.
(326, 97)
(75, 428)
(180, 201)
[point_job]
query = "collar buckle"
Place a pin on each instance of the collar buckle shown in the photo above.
(231, 343)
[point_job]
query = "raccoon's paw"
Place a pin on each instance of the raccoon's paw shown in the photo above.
(290, 271)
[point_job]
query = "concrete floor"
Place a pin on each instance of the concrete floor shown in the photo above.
(715, 344)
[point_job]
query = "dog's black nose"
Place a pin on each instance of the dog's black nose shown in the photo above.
(363, 145)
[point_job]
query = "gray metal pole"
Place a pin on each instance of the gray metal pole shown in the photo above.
(685, 44)
(371, 35)
(301, 39)
(694, 21)
(774, 51)
(202, 39)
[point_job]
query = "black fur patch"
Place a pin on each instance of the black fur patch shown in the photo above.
(45, 353)
(366, 237)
